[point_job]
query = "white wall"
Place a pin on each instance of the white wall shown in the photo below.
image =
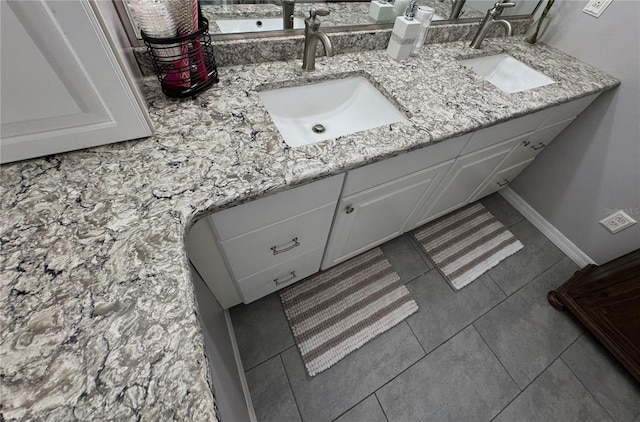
(594, 165)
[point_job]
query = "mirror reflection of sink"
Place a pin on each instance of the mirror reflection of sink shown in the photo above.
(507, 73)
(312, 113)
(231, 26)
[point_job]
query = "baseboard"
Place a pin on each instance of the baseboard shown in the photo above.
(554, 235)
(243, 379)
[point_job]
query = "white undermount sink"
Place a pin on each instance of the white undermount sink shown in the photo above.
(232, 26)
(507, 73)
(312, 113)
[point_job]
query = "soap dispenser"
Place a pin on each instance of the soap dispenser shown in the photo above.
(404, 34)
(424, 14)
(381, 11)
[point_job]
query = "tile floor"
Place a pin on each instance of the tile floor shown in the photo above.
(495, 350)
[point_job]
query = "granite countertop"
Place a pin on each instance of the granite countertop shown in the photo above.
(100, 319)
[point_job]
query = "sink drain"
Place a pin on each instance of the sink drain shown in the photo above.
(318, 128)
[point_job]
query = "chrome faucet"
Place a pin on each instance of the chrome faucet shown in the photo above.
(311, 37)
(488, 21)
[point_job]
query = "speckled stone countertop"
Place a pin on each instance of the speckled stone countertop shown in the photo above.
(99, 319)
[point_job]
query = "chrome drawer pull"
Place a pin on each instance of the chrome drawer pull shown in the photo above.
(539, 146)
(288, 248)
(505, 182)
(279, 282)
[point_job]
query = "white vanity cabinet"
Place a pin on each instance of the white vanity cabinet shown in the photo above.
(275, 241)
(371, 217)
(378, 200)
(466, 175)
(520, 156)
(494, 156)
(256, 248)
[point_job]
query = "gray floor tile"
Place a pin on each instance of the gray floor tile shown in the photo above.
(443, 311)
(270, 392)
(405, 259)
(460, 381)
(368, 410)
(525, 332)
(332, 392)
(261, 329)
(537, 255)
(557, 395)
(501, 209)
(612, 385)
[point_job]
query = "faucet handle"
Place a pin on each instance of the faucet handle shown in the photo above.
(499, 6)
(313, 12)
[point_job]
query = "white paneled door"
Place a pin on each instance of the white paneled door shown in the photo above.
(63, 85)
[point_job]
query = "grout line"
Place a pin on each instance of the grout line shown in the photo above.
(416, 337)
(422, 358)
(498, 359)
(264, 360)
(530, 383)
(290, 386)
(421, 252)
(496, 283)
(533, 279)
(380, 404)
(349, 409)
(587, 388)
(536, 377)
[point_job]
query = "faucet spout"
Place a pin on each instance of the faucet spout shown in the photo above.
(326, 42)
(506, 24)
(491, 18)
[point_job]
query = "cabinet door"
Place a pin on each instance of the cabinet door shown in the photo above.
(467, 174)
(525, 149)
(62, 85)
(373, 216)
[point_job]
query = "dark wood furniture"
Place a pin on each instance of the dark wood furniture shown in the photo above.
(606, 300)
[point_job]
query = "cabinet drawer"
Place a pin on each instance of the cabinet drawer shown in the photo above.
(542, 137)
(264, 211)
(569, 110)
(393, 168)
(503, 131)
(500, 180)
(272, 245)
(280, 276)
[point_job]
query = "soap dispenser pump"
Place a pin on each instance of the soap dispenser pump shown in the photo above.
(404, 34)
(381, 11)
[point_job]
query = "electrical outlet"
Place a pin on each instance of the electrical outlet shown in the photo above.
(596, 7)
(617, 221)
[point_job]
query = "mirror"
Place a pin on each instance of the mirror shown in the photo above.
(248, 19)
(253, 17)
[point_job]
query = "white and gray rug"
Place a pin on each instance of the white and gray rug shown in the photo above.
(338, 310)
(466, 243)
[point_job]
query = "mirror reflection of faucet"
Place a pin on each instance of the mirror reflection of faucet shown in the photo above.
(456, 9)
(288, 7)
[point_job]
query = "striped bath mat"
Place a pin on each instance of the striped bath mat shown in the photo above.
(466, 243)
(338, 310)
